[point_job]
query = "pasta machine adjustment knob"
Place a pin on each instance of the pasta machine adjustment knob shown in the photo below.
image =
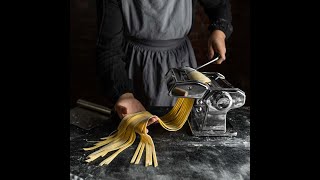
(221, 100)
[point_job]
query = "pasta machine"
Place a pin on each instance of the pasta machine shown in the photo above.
(213, 100)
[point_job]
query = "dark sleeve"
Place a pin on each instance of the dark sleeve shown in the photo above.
(111, 66)
(219, 13)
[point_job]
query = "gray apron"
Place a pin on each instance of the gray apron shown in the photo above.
(156, 40)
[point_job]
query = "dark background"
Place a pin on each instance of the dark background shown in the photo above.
(83, 80)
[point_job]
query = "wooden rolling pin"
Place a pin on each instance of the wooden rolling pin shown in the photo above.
(94, 107)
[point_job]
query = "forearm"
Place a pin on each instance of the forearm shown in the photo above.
(219, 13)
(112, 72)
(110, 56)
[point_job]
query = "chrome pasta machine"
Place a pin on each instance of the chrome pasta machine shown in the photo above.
(213, 100)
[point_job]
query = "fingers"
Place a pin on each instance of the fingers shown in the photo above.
(152, 120)
(220, 51)
(210, 50)
(222, 58)
(220, 48)
(121, 111)
(216, 44)
(128, 105)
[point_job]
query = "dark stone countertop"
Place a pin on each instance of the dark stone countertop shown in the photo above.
(180, 155)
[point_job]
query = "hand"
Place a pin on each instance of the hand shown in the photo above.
(127, 104)
(216, 43)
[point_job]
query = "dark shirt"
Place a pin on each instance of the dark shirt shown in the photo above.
(111, 65)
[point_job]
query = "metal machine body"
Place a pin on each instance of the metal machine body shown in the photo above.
(212, 100)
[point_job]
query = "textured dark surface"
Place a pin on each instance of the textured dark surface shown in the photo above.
(180, 155)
